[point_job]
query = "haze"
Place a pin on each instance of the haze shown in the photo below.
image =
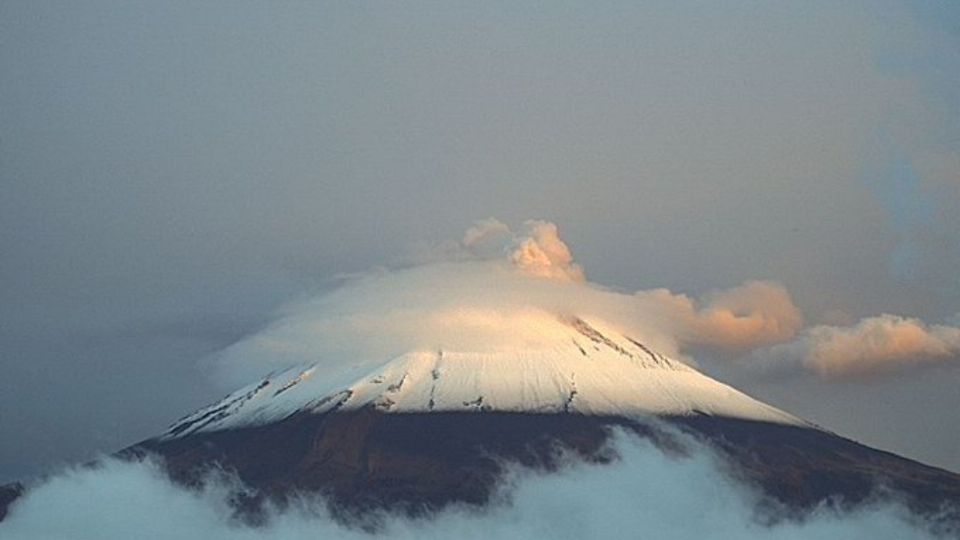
(174, 172)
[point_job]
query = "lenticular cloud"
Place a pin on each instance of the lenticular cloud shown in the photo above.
(477, 294)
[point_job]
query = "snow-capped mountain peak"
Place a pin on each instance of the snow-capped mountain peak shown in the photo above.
(583, 368)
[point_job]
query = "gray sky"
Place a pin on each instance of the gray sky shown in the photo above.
(172, 172)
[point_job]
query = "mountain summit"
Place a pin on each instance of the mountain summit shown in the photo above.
(430, 428)
(577, 367)
(414, 389)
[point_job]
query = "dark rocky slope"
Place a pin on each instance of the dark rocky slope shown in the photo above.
(366, 460)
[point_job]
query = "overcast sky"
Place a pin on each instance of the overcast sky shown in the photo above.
(172, 172)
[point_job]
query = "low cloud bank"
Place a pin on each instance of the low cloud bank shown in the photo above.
(643, 494)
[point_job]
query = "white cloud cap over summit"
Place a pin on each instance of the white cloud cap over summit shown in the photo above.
(498, 288)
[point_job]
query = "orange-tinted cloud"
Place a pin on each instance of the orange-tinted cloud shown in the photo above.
(735, 320)
(874, 345)
(535, 249)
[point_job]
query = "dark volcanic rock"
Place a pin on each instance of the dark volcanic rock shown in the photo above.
(365, 460)
(803, 467)
(415, 462)
(8, 494)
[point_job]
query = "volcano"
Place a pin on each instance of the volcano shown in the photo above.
(430, 428)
